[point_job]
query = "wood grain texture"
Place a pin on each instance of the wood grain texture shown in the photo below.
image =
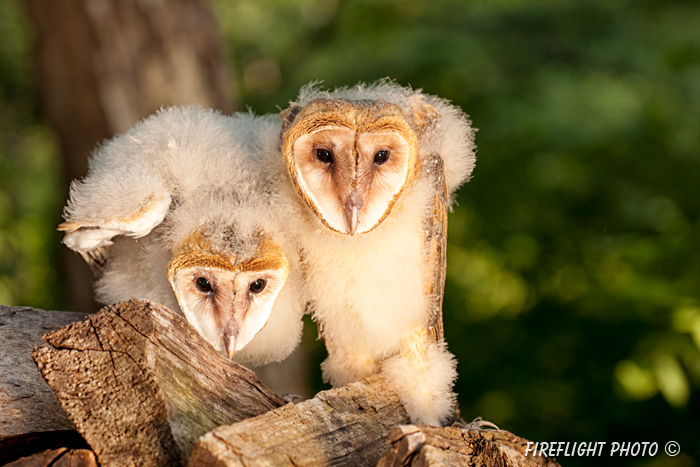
(342, 427)
(42, 459)
(141, 385)
(31, 419)
(61, 457)
(26, 444)
(77, 458)
(27, 403)
(425, 446)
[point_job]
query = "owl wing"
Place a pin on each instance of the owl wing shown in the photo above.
(90, 238)
(435, 246)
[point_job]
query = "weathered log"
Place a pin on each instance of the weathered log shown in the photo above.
(31, 419)
(342, 427)
(61, 457)
(141, 385)
(350, 426)
(425, 446)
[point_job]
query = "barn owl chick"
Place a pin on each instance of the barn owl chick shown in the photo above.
(226, 276)
(373, 169)
(176, 211)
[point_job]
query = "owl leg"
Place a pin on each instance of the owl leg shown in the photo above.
(423, 374)
(347, 366)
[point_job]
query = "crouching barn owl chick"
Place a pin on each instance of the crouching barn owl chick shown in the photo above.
(176, 211)
(374, 168)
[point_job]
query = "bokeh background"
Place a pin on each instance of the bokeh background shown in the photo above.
(573, 283)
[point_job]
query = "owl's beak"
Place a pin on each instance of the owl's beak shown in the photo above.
(353, 205)
(231, 331)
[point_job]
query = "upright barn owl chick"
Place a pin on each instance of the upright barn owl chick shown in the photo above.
(176, 211)
(374, 169)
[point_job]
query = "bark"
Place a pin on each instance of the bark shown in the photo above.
(341, 427)
(141, 385)
(102, 65)
(424, 446)
(31, 418)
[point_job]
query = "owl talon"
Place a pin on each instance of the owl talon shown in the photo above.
(477, 424)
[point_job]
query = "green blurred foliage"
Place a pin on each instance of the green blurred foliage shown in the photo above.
(30, 178)
(572, 298)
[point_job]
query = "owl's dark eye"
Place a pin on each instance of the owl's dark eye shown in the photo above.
(381, 157)
(203, 285)
(257, 286)
(324, 155)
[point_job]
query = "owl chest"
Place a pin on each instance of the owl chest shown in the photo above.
(367, 291)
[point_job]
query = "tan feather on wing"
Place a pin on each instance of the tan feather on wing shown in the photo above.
(72, 226)
(91, 239)
(435, 246)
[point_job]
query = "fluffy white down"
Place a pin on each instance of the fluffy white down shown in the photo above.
(210, 164)
(185, 150)
(137, 269)
(424, 382)
(367, 290)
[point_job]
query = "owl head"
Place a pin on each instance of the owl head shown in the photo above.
(226, 285)
(350, 160)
